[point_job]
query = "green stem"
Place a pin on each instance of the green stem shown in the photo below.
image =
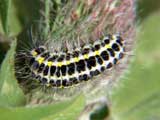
(47, 17)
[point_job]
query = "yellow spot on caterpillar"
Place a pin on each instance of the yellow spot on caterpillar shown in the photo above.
(48, 85)
(59, 64)
(49, 63)
(40, 60)
(107, 46)
(86, 56)
(61, 86)
(113, 37)
(76, 59)
(96, 52)
(34, 53)
(70, 76)
(67, 62)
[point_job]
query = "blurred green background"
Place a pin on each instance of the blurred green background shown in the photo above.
(136, 98)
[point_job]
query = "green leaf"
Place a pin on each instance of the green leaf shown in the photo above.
(138, 97)
(66, 110)
(9, 19)
(10, 93)
(4, 6)
(71, 112)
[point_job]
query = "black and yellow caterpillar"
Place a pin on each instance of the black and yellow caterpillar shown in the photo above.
(72, 67)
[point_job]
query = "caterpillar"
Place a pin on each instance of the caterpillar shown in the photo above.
(68, 68)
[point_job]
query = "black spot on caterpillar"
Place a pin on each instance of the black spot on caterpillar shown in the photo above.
(72, 67)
